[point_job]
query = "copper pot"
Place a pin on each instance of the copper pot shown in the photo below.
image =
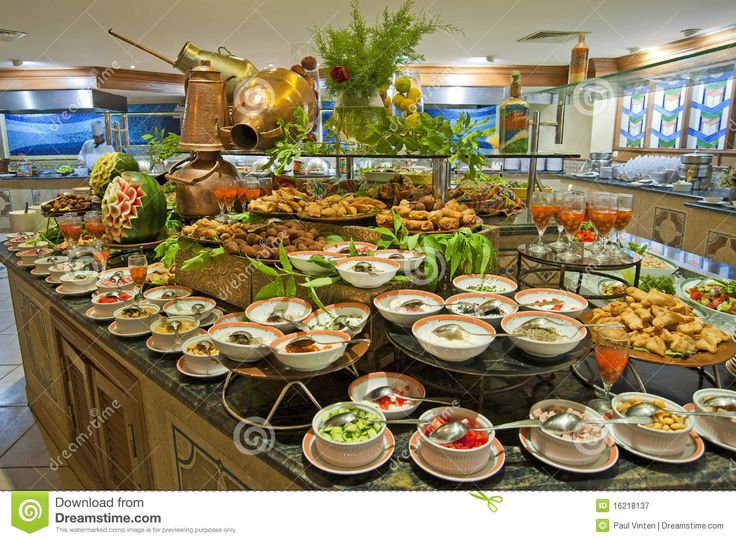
(205, 109)
(196, 180)
(258, 104)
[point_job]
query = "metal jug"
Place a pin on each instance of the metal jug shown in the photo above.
(196, 179)
(205, 109)
(233, 69)
(259, 103)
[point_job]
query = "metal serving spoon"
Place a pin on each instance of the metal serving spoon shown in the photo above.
(562, 423)
(305, 342)
(541, 323)
(348, 417)
(648, 409)
(721, 401)
(452, 330)
(387, 390)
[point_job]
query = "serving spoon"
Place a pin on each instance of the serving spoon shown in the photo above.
(562, 423)
(386, 390)
(541, 323)
(348, 417)
(648, 409)
(305, 342)
(721, 401)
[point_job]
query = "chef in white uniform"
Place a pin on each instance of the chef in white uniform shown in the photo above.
(95, 147)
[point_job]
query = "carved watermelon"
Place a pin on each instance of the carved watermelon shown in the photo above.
(107, 167)
(133, 208)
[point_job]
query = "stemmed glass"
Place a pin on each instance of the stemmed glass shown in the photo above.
(70, 226)
(624, 213)
(611, 356)
(138, 268)
(559, 245)
(572, 213)
(542, 212)
(225, 192)
(603, 211)
(250, 189)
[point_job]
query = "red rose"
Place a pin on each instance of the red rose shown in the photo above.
(339, 74)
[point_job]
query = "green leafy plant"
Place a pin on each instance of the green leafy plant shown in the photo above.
(173, 221)
(167, 251)
(371, 54)
(665, 284)
(464, 251)
(161, 146)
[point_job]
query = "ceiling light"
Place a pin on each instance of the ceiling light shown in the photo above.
(11, 35)
(16, 62)
(687, 32)
(132, 66)
(633, 50)
(490, 59)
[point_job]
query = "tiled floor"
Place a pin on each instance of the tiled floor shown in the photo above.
(26, 451)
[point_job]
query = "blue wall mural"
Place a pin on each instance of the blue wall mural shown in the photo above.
(58, 134)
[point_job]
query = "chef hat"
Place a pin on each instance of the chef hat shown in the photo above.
(97, 128)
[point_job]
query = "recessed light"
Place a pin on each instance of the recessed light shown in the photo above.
(16, 62)
(633, 50)
(132, 66)
(687, 32)
(11, 35)
(490, 59)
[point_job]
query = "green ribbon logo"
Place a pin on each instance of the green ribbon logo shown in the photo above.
(29, 510)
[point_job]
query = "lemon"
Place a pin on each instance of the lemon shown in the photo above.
(403, 84)
(398, 100)
(387, 102)
(407, 103)
(412, 119)
(414, 94)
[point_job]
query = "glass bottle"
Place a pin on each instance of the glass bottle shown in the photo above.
(513, 120)
(578, 61)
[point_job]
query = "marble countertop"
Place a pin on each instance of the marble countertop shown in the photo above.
(725, 209)
(521, 470)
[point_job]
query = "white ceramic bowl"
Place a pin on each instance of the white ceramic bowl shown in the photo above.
(43, 264)
(656, 271)
(385, 269)
(571, 304)
(722, 430)
(453, 350)
(343, 248)
(287, 308)
(59, 269)
(200, 364)
(536, 348)
(241, 352)
(410, 260)
(29, 256)
(402, 383)
(712, 199)
(344, 454)
(167, 340)
(78, 281)
(509, 306)
(301, 261)
(456, 462)
(138, 324)
(107, 309)
(31, 244)
(116, 281)
(314, 360)
(651, 440)
(161, 295)
(185, 307)
(490, 282)
(574, 452)
(388, 302)
(357, 313)
(234, 317)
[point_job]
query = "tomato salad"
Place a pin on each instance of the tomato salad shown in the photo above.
(715, 295)
(471, 440)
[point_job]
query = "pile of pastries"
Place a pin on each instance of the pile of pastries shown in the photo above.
(204, 229)
(342, 206)
(68, 202)
(661, 323)
(287, 200)
(429, 214)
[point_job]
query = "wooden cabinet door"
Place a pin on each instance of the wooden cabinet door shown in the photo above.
(121, 432)
(83, 442)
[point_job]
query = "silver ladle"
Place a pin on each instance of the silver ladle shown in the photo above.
(648, 409)
(721, 401)
(387, 390)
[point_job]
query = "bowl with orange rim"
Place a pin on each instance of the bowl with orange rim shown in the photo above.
(243, 341)
(328, 347)
(348, 317)
(569, 331)
(485, 283)
(471, 337)
(367, 272)
(279, 312)
(303, 261)
(393, 406)
(397, 307)
(467, 304)
(562, 302)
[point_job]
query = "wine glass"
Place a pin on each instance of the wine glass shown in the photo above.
(221, 191)
(542, 212)
(251, 189)
(624, 213)
(611, 356)
(572, 213)
(231, 193)
(559, 245)
(70, 226)
(138, 268)
(101, 253)
(603, 210)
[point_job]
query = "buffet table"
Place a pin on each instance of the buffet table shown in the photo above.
(172, 432)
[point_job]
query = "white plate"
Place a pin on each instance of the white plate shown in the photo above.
(181, 367)
(60, 291)
(211, 318)
(606, 460)
(175, 349)
(310, 452)
(91, 313)
(492, 468)
(51, 282)
(694, 449)
(25, 265)
(35, 272)
(113, 328)
(691, 407)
